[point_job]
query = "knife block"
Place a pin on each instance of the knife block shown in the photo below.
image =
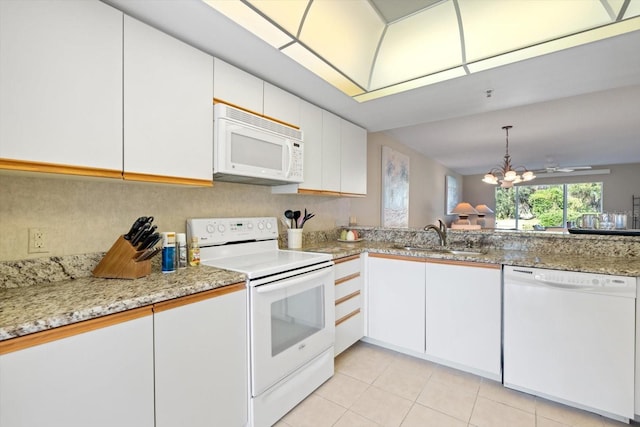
(119, 262)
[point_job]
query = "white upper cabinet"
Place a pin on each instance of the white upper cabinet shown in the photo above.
(237, 87)
(353, 159)
(281, 105)
(331, 152)
(61, 83)
(311, 125)
(168, 106)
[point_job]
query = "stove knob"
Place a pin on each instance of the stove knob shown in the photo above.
(221, 228)
(260, 226)
(269, 226)
(210, 228)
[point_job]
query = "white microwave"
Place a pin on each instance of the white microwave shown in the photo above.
(251, 149)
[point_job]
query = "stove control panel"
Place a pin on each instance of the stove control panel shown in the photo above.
(219, 231)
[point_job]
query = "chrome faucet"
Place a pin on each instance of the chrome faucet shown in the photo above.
(441, 229)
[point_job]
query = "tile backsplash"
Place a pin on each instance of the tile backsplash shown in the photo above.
(86, 215)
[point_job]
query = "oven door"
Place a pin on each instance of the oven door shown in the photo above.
(292, 321)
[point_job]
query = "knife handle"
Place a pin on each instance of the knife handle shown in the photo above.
(136, 239)
(134, 228)
(150, 241)
(145, 235)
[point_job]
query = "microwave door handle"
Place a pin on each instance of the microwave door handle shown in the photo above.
(289, 145)
(289, 283)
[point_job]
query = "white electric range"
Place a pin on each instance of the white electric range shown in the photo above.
(290, 308)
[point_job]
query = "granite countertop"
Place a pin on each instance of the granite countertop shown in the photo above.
(614, 265)
(25, 310)
(48, 302)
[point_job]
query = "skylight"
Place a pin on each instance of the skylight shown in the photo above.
(373, 48)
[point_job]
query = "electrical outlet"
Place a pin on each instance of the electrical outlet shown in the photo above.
(38, 242)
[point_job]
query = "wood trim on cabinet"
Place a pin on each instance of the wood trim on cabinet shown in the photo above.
(43, 167)
(32, 340)
(273, 119)
(353, 195)
(347, 297)
(346, 259)
(347, 317)
(347, 278)
(200, 296)
(399, 257)
(143, 177)
(464, 263)
(328, 193)
(318, 192)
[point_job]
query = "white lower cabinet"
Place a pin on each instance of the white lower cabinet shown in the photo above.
(396, 308)
(349, 302)
(463, 316)
(99, 378)
(446, 311)
(201, 361)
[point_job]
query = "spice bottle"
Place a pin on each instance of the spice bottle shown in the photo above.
(194, 252)
(181, 250)
(168, 252)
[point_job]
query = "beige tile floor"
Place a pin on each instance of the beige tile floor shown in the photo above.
(375, 387)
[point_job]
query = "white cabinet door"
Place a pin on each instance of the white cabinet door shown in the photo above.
(101, 378)
(201, 363)
(396, 308)
(168, 105)
(353, 164)
(281, 105)
(311, 125)
(464, 316)
(61, 83)
(331, 136)
(237, 87)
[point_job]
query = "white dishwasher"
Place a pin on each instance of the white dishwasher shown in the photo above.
(570, 337)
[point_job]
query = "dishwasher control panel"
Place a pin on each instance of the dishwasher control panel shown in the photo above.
(580, 279)
(571, 280)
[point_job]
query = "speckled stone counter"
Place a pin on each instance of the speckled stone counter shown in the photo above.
(618, 255)
(28, 309)
(623, 266)
(44, 293)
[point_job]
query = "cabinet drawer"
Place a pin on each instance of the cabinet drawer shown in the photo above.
(347, 268)
(349, 304)
(348, 332)
(350, 286)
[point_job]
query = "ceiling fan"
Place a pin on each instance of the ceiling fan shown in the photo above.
(552, 167)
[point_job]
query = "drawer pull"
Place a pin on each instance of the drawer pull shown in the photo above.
(347, 317)
(347, 297)
(347, 278)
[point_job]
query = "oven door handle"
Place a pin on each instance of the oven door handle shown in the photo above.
(287, 283)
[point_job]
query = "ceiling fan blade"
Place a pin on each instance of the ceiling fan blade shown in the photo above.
(565, 169)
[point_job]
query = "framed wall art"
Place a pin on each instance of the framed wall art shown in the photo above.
(395, 188)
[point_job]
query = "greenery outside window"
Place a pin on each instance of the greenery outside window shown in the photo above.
(527, 206)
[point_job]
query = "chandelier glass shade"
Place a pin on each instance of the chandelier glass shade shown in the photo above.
(507, 175)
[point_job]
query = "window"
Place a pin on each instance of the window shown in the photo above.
(526, 206)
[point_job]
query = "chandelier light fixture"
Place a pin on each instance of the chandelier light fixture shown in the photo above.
(506, 174)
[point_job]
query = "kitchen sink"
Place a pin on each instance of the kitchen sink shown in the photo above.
(437, 250)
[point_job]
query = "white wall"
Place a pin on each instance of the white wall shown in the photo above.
(426, 185)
